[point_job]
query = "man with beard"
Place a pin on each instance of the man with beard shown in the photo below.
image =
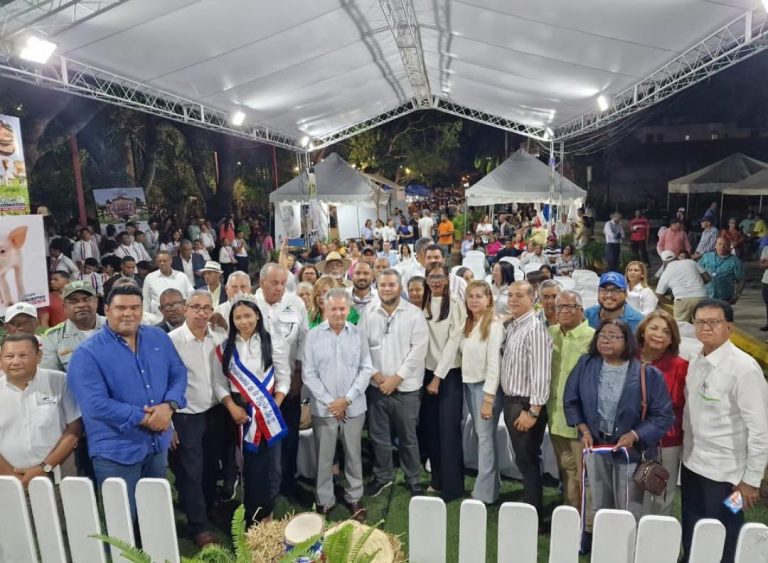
(335, 266)
(398, 337)
(611, 303)
(363, 295)
(82, 322)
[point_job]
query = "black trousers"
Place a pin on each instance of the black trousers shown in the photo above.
(257, 496)
(440, 423)
(639, 248)
(283, 474)
(203, 439)
(612, 256)
(527, 446)
(703, 498)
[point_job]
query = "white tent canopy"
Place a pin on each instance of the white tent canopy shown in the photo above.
(327, 69)
(522, 178)
(337, 183)
(717, 176)
(756, 184)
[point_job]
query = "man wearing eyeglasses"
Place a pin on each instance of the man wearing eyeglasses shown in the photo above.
(200, 428)
(570, 340)
(612, 303)
(725, 427)
(172, 309)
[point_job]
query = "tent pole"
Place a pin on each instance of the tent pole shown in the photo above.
(722, 198)
(667, 199)
(761, 204)
(688, 203)
(551, 180)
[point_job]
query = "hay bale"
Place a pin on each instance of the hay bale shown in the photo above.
(266, 539)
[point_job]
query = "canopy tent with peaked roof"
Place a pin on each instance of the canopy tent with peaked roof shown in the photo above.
(354, 195)
(754, 185)
(523, 178)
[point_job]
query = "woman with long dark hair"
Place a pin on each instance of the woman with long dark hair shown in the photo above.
(502, 274)
(603, 400)
(441, 408)
(259, 378)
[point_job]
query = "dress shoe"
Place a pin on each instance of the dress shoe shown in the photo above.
(205, 538)
(416, 490)
(324, 510)
(359, 512)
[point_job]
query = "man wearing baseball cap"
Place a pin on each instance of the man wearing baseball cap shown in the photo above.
(611, 299)
(82, 322)
(21, 318)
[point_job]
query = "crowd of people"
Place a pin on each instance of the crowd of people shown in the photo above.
(167, 358)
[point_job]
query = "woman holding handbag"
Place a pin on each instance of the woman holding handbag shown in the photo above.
(604, 400)
(659, 341)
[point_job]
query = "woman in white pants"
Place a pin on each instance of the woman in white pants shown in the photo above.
(480, 363)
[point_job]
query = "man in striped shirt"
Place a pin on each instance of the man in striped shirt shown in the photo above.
(524, 380)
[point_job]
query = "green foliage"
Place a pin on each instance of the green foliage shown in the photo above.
(355, 555)
(127, 551)
(459, 226)
(336, 546)
(304, 549)
(593, 253)
(242, 551)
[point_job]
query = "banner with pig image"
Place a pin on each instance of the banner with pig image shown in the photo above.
(23, 272)
(14, 191)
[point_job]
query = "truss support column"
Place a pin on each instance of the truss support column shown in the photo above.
(551, 181)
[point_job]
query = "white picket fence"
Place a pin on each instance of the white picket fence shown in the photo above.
(617, 539)
(616, 536)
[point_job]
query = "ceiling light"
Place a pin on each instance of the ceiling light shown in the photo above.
(37, 50)
(237, 118)
(548, 134)
(304, 141)
(765, 5)
(602, 102)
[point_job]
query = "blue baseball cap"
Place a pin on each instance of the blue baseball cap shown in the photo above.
(613, 278)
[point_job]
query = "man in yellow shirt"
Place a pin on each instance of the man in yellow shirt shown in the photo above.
(445, 237)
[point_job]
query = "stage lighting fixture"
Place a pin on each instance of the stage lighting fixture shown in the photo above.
(304, 141)
(765, 5)
(237, 118)
(602, 103)
(37, 50)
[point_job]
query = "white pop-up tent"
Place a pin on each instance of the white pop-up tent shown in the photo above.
(716, 177)
(523, 178)
(355, 197)
(754, 185)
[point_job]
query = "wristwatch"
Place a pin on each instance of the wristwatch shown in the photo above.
(173, 404)
(47, 467)
(533, 413)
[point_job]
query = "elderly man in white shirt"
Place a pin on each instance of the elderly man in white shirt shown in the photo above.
(398, 337)
(683, 278)
(725, 428)
(238, 282)
(201, 427)
(40, 423)
(337, 368)
(163, 278)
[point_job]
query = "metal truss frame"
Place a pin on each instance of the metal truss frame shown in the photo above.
(39, 16)
(743, 37)
(401, 18)
(535, 132)
(88, 81)
(365, 125)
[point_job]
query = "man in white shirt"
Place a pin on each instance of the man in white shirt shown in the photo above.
(285, 318)
(211, 273)
(683, 278)
(363, 294)
(725, 427)
(163, 278)
(201, 427)
(388, 233)
(40, 423)
(614, 234)
(426, 225)
(125, 247)
(398, 337)
(86, 247)
(337, 368)
(388, 253)
(238, 282)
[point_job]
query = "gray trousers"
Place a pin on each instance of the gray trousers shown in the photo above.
(326, 431)
(398, 411)
(611, 484)
(670, 459)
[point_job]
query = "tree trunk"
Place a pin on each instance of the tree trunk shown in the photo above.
(151, 149)
(222, 202)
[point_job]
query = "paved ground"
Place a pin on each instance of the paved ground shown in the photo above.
(750, 309)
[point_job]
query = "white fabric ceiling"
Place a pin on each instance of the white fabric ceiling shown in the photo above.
(315, 67)
(522, 178)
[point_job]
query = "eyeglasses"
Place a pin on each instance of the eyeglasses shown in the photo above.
(436, 278)
(200, 308)
(573, 307)
(171, 306)
(711, 324)
(610, 337)
(611, 290)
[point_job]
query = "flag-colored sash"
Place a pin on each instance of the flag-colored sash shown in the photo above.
(264, 416)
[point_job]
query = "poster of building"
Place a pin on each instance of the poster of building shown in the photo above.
(14, 192)
(23, 273)
(118, 206)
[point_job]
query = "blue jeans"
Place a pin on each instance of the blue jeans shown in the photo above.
(488, 481)
(154, 466)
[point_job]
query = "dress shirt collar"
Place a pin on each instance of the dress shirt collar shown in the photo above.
(401, 306)
(716, 357)
(524, 319)
(325, 325)
(187, 334)
(575, 331)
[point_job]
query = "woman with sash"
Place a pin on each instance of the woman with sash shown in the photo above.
(259, 378)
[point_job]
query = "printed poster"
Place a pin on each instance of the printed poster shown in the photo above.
(14, 191)
(117, 206)
(23, 265)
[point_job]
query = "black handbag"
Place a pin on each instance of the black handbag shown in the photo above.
(650, 475)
